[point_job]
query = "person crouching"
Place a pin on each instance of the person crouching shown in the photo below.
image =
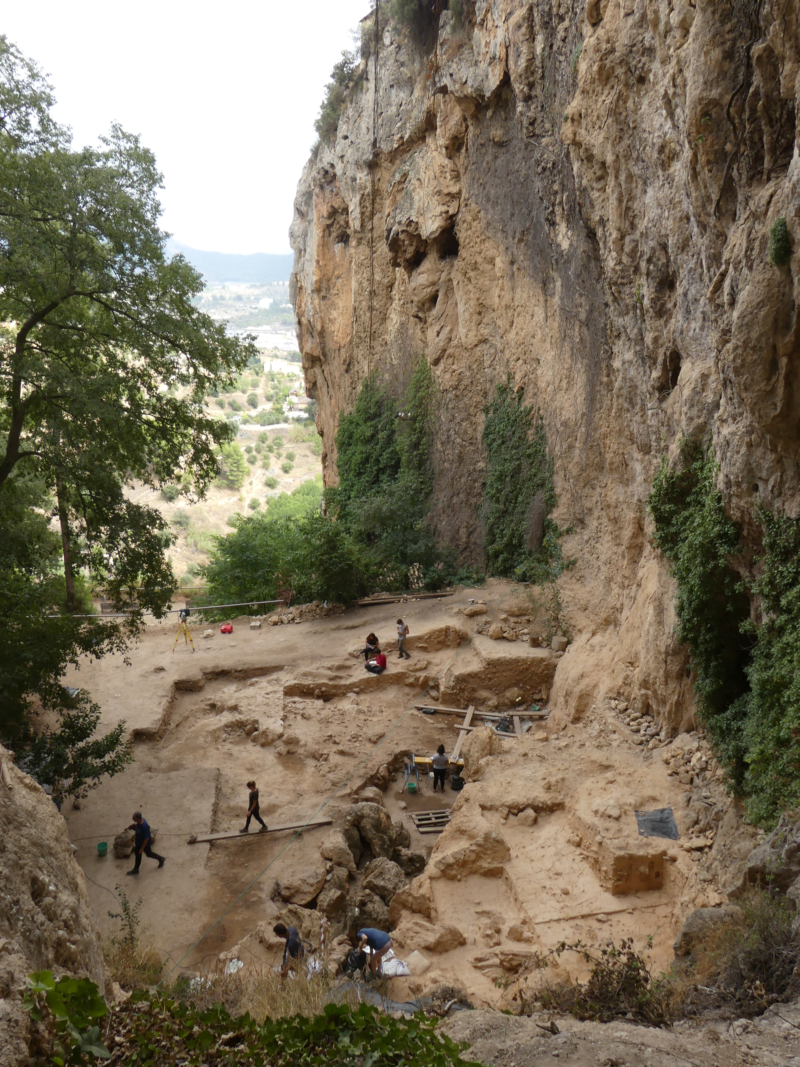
(376, 665)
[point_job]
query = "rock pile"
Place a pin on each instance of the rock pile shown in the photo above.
(642, 724)
(303, 613)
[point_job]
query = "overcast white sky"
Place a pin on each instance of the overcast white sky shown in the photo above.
(224, 93)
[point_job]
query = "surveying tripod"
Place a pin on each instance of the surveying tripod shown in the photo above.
(183, 628)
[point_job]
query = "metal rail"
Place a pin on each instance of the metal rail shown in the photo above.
(175, 611)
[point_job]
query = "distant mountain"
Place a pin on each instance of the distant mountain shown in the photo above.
(222, 267)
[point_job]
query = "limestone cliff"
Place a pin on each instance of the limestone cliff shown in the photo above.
(45, 919)
(577, 193)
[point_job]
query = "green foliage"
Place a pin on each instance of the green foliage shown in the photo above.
(772, 707)
(170, 493)
(698, 538)
(233, 467)
(252, 458)
(576, 55)
(780, 245)
(254, 503)
(71, 1008)
(287, 467)
(69, 757)
(234, 405)
(252, 400)
(522, 541)
(368, 456)
(128, 916)
(271, 482)
(291, 456)
(327, 122)
(171, 1032)
(181, 519)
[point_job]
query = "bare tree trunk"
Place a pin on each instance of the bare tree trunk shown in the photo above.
(69, 575)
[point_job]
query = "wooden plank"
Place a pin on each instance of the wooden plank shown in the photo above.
(430, 829)
(462, 733)
(483, 714)
(199, 839)
(517, 727)
(5, 774)
(422, 817)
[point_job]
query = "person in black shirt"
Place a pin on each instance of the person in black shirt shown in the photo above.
(293, 949)
(252, 810)
(142, 843)
(369, 650)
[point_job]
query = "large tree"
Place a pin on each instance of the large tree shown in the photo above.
(98, 324)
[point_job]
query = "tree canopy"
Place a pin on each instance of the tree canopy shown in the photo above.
(98, 327)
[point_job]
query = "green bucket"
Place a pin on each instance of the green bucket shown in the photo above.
(412, 787)
(102, 848)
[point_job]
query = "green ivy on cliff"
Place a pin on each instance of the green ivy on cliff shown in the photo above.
(746, 674)
(522, 541)
(385, 482)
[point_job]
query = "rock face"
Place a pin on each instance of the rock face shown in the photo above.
(578, 195)
(45, 919)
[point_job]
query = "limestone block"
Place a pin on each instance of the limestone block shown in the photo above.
(384, 877)
(416, 897)
(208, 633)
(474, 609)
(418, 934)
(527, 817)
(336, 849)
(370, 794)
(496, 631)
(485, 855)
(332, 901)
(270, 732)
(626, 867)
(255, 625)
(304, 887)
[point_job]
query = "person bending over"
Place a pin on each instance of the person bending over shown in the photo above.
(440, 762)
(378, 941)
(293, 950)
(142, 843)
(378, 664)
(252, 810)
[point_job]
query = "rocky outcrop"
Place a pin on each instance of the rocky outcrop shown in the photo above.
(578, 195)
(45, 919)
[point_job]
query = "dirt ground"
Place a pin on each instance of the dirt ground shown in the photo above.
(292, 707)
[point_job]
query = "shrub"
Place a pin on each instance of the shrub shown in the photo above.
(252, 400)
(170, 493)
(316, 445)
(291, 456)
(287, 467)
(271, 482)
(248, 449)
(70, 1008)
(263, 437)
(258, 448)
(181, 519)
(254, 504)
(234, 405)
(252, 458)
(327, 122)
(780, 245)
(277, 441)
(220, 402)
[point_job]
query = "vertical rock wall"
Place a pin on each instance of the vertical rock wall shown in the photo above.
(578, 195)
(45, 919)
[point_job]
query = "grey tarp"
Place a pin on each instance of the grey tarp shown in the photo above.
(657, 823)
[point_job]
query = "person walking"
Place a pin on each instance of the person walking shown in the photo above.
(440, 762)
(252, 810)
(402, 634)
(142, 842)
(379, 943)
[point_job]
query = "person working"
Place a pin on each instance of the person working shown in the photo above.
(402, 634)
(369, 650)
(252, 810)
(440, 762)
(293, 950)
(378, 664)
(141, 843)
(377, 941)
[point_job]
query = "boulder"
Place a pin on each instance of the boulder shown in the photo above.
(370, 910)
(496, 632)
(370, 794)
(474, 609)
(416, 898)
(376, 829)
(384, 877)
(123, 844)
(336, 849)
(270, 732)
(479, 744)
(409, 862)
(416, 933)
(527, 817)
(700, 922)
(332, 901)
(304, 887)
(353, 841)
(776, 862)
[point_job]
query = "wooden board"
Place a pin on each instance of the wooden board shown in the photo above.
(517, 727)
(483, 714)
(431, 822)
(368, 603)
(232, 834)
(463, 733)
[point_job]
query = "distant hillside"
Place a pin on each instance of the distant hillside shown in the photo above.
(222, 267)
